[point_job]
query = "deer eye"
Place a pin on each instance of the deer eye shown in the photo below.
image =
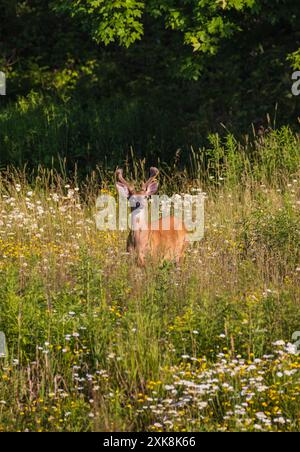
(138, 204)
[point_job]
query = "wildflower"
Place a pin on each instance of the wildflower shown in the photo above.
(291, 349)
(279, 343)
(202, 405)
(261, 415)
(280, 420)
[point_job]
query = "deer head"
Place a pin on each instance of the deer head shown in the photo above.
(137, 199)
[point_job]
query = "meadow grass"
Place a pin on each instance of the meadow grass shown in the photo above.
(97, 344)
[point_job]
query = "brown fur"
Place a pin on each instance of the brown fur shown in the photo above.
(159, 244)
(156, 242)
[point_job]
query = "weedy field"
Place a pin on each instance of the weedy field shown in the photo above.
(97, 344)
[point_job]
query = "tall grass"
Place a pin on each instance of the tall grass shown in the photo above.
(38, 130)
(95, 343)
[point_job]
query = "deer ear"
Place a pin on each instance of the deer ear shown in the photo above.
(152, 188)
(122, 190)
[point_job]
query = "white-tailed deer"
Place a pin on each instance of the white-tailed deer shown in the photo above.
(151, 238)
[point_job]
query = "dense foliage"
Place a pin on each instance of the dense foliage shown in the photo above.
(202, 88)
(173, 71)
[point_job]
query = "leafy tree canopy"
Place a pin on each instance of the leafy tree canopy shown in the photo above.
(203, 23)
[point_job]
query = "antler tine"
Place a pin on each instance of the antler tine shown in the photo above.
(120, 178)
(153, 171)
(153, 174)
